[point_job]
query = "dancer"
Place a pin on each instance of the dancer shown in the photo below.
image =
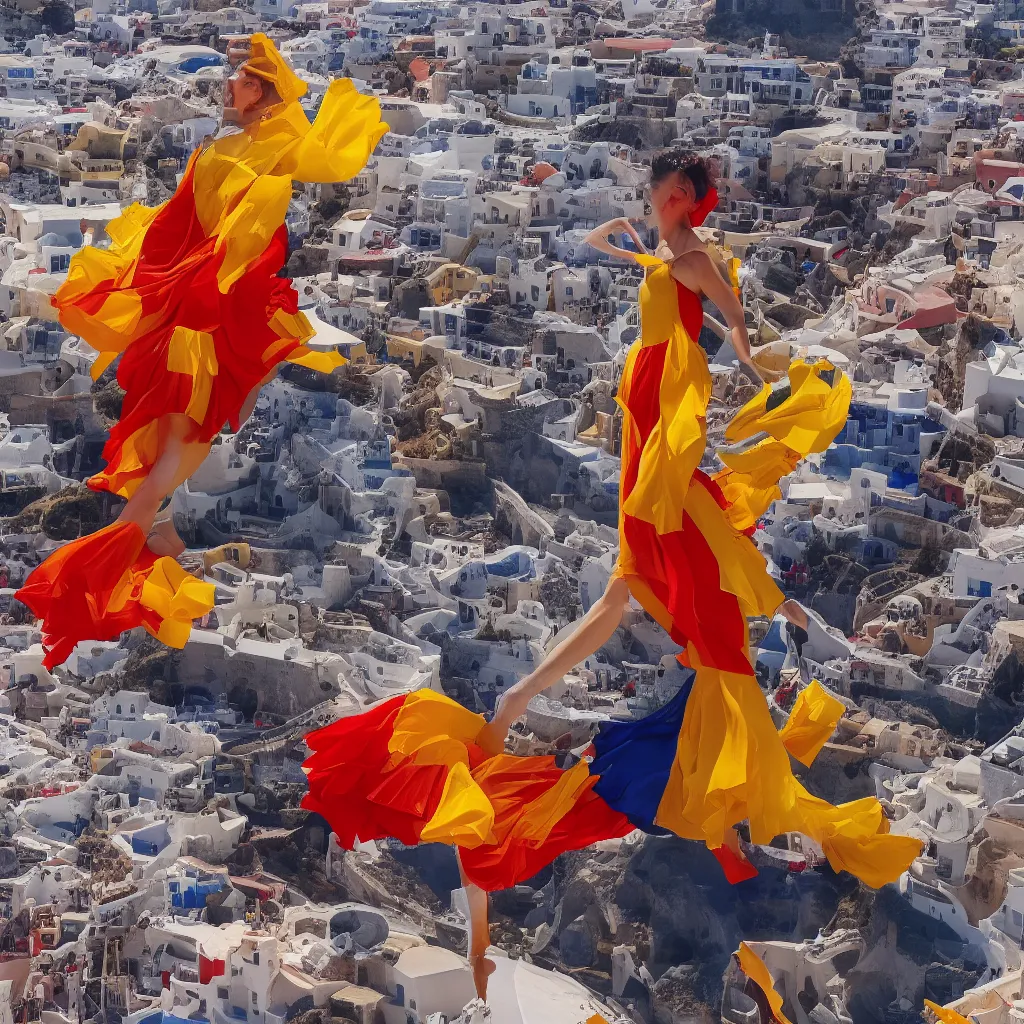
(188, 294)
(421, 768)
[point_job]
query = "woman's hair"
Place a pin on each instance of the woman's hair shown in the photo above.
(699, 169)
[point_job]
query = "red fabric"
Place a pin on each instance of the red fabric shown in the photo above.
(210, 969)
(680, 567)
(176, 276)
(700, 212)
(682, 572)
(356, 785)
(735, 869)
(510, 782)
(72, 590)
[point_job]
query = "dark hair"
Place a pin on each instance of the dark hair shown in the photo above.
(699, 169)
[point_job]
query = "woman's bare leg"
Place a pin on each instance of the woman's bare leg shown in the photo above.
(163, 539)
(479, 932)
(594, 631)
(177, 461)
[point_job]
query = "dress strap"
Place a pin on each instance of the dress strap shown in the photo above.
(645, 259)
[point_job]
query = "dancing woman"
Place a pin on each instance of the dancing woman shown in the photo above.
(421, 768)
(189, 295)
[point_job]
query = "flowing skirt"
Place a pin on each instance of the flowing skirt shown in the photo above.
(709, 759)
(97, 587)
(187, 346)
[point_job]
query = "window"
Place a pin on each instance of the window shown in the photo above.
(568, 291)
(222, 993)
(255, 999)
(256, 962)
(535, 293)
(117, 710)
(979, 588)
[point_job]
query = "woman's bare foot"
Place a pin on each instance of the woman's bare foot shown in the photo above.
(794, 612)
(163, 540)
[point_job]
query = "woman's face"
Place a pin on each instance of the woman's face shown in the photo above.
(672, 199)
(243, 93)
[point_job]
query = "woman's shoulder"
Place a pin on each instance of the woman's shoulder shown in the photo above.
(697, 253)
(663, 252)
(694, 263)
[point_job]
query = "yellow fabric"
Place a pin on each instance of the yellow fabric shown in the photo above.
(731, 766)
(432, 729)
(245, 232)
(194, 353)
(242, 185)
(464, 817)
(945, 1016)
(291, 326)
(808, 420)
(741, 567)
(750, 481)
(811, 722)
(140, 451)
(339, 142)
(675, 447)
(265, 62)
(244, 181)
(321, 362)
(177, 598)
(548, 810)
(733, 265)
(757, 971)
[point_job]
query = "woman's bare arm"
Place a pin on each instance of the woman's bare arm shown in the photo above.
(594, 631)
(697, 267)
(598, 238)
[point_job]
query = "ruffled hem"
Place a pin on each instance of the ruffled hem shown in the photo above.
(410, 769)
(204, 374)
(99, 586)
(805, 414)
(732, 766)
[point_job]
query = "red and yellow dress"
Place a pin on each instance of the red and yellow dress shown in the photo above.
(189, 295)
(711, 757)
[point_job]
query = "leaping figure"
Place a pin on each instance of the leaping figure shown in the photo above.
(421, 768)
(188, 294)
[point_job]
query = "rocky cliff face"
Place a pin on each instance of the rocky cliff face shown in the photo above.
(664, 903)
(652, 923)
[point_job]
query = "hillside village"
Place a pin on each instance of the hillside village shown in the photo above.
(435, 512)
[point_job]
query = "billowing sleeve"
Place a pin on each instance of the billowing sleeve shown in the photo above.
(341, 139)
